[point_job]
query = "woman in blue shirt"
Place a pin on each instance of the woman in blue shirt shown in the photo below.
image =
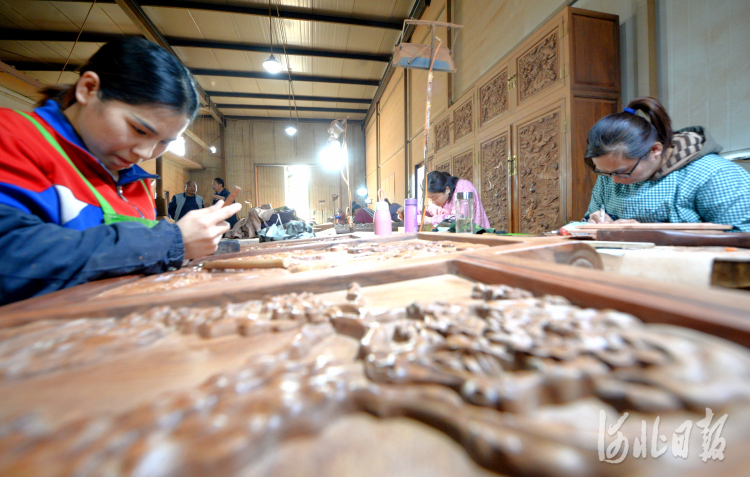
(647, 173)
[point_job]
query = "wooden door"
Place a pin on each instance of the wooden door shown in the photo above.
(323, 186)
(494, 98)
(463, 165)
(538, 144)
(270, 186)
(494, 154)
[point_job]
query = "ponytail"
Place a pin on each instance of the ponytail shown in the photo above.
(437, 181)
(629, 135)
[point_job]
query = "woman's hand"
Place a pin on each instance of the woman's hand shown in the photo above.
(626, 221)
(596, 218)
(202, 229)
(400, 213)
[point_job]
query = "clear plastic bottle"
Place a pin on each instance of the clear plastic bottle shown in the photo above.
(465, 212)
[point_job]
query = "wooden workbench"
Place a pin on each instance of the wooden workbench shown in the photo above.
(184, 381)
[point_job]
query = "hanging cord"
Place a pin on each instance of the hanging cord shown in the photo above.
(270, 25)
(288, 66)
(76, 42)
(427, 128)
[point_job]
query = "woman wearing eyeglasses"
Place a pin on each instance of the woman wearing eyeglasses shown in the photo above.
(647, 173)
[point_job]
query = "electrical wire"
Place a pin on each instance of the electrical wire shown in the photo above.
(288, 66)
(76, 42)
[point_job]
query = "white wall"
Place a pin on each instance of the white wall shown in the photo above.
(704, 67)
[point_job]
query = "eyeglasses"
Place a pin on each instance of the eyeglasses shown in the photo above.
(621, 174)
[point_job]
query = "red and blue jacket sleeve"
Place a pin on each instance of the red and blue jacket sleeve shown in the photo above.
(41, 257)
(39, 254)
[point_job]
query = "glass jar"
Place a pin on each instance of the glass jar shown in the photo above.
(465, 212)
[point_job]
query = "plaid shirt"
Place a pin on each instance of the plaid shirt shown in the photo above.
(711, 189)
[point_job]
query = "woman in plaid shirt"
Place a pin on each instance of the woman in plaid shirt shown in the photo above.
(647, 173)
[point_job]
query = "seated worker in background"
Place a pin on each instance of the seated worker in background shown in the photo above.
(649, 174)
(74, 206)
(363, 215)
(186, 201)
(394, 208)
(441, 191)
(221, 193)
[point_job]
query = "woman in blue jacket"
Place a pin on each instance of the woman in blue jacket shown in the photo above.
(647, 173)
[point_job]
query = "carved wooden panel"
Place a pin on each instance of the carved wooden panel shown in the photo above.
(442, 134)
(539, 173)
(463, 166)
(444, 167)
(494, 157)
(493, 98)
(462, 121)
(538, 68)
(430, 164)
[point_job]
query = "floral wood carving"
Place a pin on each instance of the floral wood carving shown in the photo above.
(495, 181)
(442, 134)
(444, 167)
(462, 121)
(538, 68)
(493, 98)
(463, 166)
(539, 174)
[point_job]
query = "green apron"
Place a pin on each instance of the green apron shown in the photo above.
(110, 216)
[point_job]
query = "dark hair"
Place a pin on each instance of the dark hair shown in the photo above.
(628, 134)
(137, 72)
(437, 181)
(219, 180)
(387, 201)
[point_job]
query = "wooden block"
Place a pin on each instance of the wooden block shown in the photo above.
(228, 246)
(232, 196)
(658, 226)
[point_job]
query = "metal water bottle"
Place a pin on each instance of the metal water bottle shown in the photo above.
(465, 212)
(410, 216)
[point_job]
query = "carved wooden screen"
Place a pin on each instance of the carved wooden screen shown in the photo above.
(538, 68)
(494, 160)
(539, 144)
(442, 134)
(462, 121)
(493, 98)
(463, 166)
(445, 167)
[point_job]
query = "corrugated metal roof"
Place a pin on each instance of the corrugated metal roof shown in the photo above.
(330, 33)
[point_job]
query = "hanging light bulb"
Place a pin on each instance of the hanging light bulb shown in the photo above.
(291, 130)
(332, 157)
(272, 65)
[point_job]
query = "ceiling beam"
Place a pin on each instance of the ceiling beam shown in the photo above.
(195, 138)
(280, 119)
(136, 14)
(284, 97)
(294, 51)
(6, 68)
(286, 108)
(285, 12)
(295, 77)
(36, 66)
(70, 36)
